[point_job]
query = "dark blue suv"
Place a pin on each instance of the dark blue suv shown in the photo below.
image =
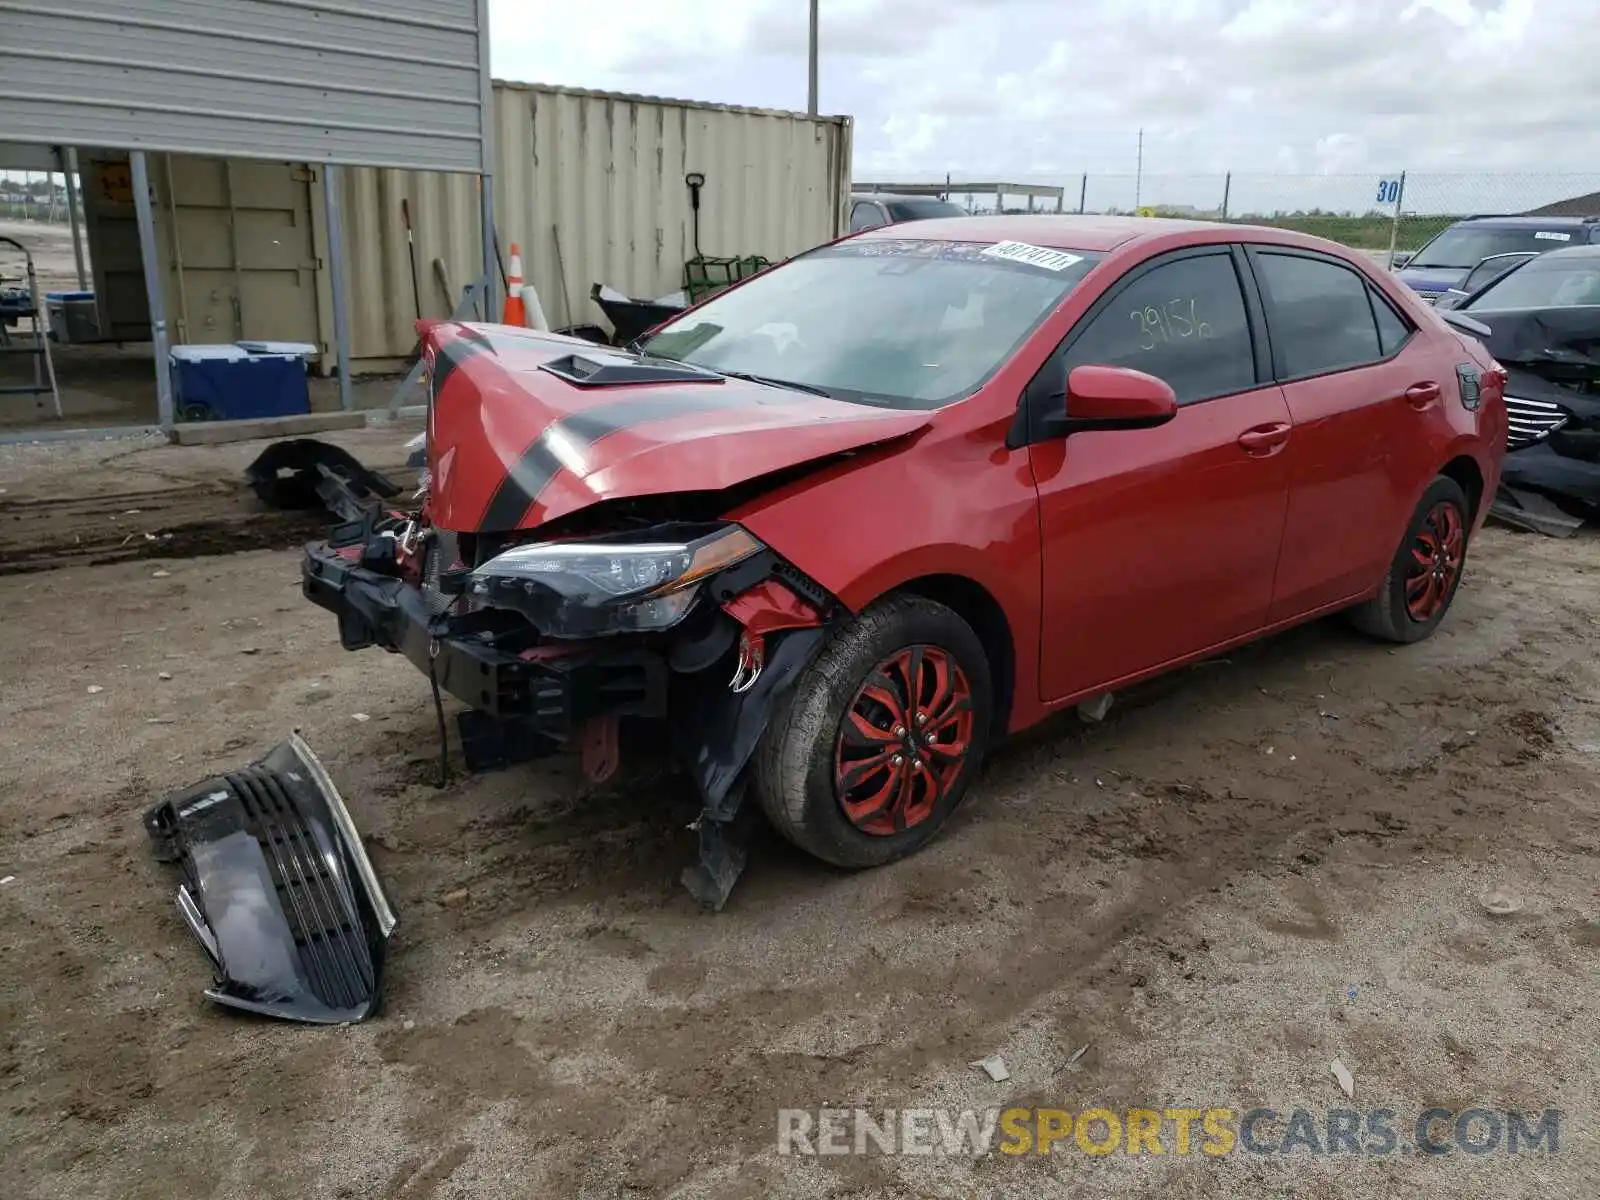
(1445, 261)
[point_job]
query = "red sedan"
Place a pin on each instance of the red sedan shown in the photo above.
(846, 524)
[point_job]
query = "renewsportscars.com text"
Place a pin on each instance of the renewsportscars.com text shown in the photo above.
(1016, 1132)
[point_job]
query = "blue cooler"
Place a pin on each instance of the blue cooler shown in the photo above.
(74, 318)
(233, 383)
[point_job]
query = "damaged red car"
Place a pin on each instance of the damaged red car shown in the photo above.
(845, 525)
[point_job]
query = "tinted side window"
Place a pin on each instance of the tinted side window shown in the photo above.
(1393, 329)
(865, 215)
(1184, 322)
(1318, 313)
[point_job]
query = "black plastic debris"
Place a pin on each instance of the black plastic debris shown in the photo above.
(632, 318)
(305, 473)
(1532, 511)
(278, 889)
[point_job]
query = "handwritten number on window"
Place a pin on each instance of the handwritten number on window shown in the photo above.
(1175, 321)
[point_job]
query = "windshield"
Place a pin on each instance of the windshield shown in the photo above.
(1548, 282)
(921, 210)
(1465, 246)
(899, 323)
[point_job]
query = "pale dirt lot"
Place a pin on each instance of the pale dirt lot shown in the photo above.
(1249, 869)
(51, 247)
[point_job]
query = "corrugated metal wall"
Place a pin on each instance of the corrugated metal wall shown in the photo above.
(357, 81)
(601, 174)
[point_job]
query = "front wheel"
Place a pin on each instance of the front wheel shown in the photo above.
(879, 740)
(1426, 569)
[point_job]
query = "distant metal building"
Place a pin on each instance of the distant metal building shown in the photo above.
(1576, 206)
(1000, 191)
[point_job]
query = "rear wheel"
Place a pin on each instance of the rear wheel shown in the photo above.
(879, 740)
(1426, 569)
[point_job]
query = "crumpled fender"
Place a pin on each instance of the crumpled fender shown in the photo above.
(278, 889)
(725, 731)
(779, 632)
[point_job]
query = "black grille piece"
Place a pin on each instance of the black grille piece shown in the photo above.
(317, 901)
(278, 889)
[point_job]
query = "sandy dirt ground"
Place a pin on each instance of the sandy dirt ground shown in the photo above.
(1251, 868)
(51, 247)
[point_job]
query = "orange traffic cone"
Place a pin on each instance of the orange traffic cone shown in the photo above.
(514, 313)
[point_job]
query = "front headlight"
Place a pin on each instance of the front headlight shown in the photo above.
(609, 585)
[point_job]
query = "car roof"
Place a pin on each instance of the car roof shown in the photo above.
(894, 196)
(1527, 222)
(1073, 232)
(1566, 253)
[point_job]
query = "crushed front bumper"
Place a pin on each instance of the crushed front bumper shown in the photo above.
(490, 665)
(519, 684)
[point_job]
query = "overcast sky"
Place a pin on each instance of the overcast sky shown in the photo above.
(1050, 88)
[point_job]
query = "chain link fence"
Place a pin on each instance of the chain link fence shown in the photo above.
(32, 196)
(1375, 212)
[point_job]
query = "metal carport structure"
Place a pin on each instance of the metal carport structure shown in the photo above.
(1033, 191)
(380, 83)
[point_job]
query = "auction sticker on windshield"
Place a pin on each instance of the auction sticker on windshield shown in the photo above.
(1034, 256)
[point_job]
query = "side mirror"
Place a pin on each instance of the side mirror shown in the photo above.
(1117, 398)
(1401, 260)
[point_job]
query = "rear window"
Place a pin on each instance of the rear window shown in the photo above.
(1554, 281)
(1462, 247)
(1319, 313)
(922, 210)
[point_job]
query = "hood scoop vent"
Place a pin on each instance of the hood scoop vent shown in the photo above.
(586, 372)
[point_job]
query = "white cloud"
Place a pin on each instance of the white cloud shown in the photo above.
(1039, 89)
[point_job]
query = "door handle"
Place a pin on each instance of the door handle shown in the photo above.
(1420, 395)
(1264, 439)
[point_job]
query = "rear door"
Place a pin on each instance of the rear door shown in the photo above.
(1363, 389)
(1160, 543)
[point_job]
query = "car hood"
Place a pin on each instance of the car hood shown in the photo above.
(1431, 279)
(514, 439)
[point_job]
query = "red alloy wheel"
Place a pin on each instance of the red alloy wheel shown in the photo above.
(1436, 554)
(904, 740)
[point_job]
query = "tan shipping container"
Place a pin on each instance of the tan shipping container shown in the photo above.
(591, 186)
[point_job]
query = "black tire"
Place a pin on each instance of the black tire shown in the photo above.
(794, 769)
(1386, 615)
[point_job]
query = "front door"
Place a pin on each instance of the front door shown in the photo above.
(1160, 543)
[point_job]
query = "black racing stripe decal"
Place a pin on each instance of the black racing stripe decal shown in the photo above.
(539, 464)
(450, 356)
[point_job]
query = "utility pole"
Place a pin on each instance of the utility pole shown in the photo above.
(1138, 178)
(811, 92)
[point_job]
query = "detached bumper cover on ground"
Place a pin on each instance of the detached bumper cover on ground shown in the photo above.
(278, 889)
